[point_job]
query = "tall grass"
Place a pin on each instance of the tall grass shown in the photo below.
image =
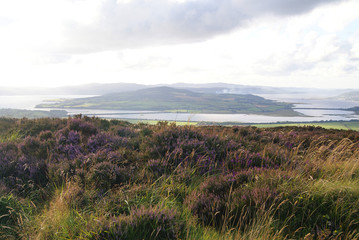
(14, 136)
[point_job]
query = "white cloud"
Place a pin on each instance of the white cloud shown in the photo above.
(138, 23)
(62, 42)
(337, 20)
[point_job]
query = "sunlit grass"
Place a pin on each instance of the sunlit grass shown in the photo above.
(14, 136)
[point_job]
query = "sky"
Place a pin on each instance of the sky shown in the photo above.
(291, 43)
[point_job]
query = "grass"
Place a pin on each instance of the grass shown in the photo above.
(14, 136)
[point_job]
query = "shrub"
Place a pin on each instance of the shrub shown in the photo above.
(123, 131)
(45, 135)
(104, 175)
(32, 147)
(211, 202)
(86, 128)
(105, 141)
(31, 169)
(9, 154)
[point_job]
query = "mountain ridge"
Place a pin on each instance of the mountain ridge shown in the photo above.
(105, 88)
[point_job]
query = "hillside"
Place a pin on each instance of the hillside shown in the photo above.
(350, 96)
(181, 100)
(89, 178)
(354, 109)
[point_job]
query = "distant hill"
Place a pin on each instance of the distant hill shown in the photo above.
(351, 96)
(106, 88)
(87, 89)
(354, 109)
(179, 100)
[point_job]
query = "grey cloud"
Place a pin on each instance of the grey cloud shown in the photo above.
(285, 7)
(142, 23)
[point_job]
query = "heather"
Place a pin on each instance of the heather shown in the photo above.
(89, 178)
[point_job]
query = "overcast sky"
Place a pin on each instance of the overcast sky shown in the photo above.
(303, 43)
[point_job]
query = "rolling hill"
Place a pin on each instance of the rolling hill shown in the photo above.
(168, 99)
(350, 96)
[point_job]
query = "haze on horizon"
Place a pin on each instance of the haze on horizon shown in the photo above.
(297, 43)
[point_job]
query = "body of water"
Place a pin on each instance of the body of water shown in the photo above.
(315, 109)
(28, 102)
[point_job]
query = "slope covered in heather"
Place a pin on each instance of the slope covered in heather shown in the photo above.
(88, 178)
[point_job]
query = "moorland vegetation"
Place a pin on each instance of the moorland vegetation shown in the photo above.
(89, 178)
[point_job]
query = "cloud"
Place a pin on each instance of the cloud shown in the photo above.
(138, 23)
(283, 7)
(5, 21)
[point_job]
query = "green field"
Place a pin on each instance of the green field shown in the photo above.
(350, 125)
(340, 125)
(154, 122)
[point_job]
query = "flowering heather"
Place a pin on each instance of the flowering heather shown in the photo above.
(157, 167)
(9, 154)
(210, 202)
(105, 174)
(69, 151)
(126, 132)
(31, 146)
(84, 127)
(31, 169)
(105, 141)
(45, 135)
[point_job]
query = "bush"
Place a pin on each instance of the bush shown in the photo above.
(9, 154)
(104, 175)
(86, 128)
(211, 202)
